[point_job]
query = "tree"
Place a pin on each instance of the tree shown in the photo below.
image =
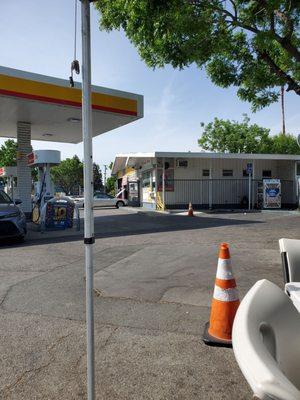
(111, 182)
(8, 153)
(98, 185)
(8, 157)
(252, 45)
(226, 136)
(68, 175)
(111, 185)
(284, 144)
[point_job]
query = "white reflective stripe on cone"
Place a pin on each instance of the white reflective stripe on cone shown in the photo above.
(230, 294)
(224, 270)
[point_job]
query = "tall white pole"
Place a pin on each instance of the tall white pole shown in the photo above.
(89, 238)
(164, 184)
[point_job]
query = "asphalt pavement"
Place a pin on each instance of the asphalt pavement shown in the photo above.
(154, 276)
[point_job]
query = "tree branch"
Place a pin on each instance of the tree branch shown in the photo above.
(285, 42)
(234, 7)
(287, 45)
(292, 84)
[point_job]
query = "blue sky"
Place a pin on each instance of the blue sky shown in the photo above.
(37, 36)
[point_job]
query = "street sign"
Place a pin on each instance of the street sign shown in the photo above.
(249, 168)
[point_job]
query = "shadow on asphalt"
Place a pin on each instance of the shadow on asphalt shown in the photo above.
(131, 224)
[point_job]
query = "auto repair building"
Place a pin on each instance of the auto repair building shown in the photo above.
(207, 180)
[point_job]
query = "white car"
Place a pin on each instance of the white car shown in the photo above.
(101, 200)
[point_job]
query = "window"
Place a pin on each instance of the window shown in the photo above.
(4, 198)
(267, 173)
(227, 172)
(205, 172)
(182, 163)
(102, 196)
(146, 179)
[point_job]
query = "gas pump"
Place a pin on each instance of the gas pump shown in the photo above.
(10, 173)
(43, 188)
(50, 212)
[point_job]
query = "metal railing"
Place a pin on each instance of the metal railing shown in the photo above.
(222, 193)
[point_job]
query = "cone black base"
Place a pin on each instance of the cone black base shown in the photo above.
(213, 341)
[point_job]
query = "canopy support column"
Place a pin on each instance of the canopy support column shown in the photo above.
(23, 171)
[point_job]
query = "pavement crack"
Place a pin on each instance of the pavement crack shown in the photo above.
(19, 380)
(6, 295)
(35, 370)
(32, 278)
(57, 341)
(107, 341)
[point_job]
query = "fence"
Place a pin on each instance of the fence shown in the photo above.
(222, 193)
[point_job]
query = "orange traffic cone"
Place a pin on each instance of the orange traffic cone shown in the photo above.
(224, 305)
(191, 211)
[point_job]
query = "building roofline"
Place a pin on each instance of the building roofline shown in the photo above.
(241, 156)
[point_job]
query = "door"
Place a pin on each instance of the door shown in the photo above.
(133, 194)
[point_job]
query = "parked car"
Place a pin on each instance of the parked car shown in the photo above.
(12, 218)
(101, 200)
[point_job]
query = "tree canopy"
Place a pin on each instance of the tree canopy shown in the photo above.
(98, 184)
(284, 144)
(227, 136)
(252, 45)
(111, 182)
(68, 175)
(8, 153)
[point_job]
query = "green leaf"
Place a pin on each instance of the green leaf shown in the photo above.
(208, 34)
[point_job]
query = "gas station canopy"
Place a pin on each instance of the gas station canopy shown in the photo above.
(53, 108)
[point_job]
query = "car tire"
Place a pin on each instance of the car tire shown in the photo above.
(20, 239)
(120, 204)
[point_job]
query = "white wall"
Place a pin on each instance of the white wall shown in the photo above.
(280, 169)
(230, 192)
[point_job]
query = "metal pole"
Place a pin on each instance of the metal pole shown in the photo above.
(253, 184)
(249, 200)
(210, 188)
(105, 169)
(282, 110)
(163, 184)
(11, 182)
(89, 238)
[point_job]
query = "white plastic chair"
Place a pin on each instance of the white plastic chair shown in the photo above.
(266, 342)
(290, 254)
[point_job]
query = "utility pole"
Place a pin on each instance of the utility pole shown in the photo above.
(282, 109)
(164, 185)
(89, 237)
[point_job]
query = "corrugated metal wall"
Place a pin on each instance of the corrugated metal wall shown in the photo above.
(222, 193)
(233, 191)
(280, 168)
